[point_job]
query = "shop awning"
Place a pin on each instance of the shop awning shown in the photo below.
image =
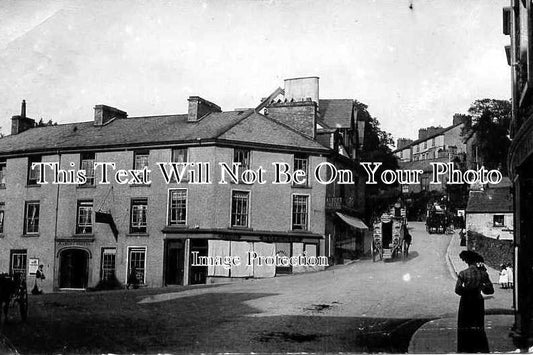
(352, 221)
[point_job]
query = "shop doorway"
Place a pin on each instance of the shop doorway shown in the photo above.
(174, 262)
(73, 268)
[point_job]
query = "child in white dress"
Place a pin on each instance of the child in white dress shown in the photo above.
(504, 279)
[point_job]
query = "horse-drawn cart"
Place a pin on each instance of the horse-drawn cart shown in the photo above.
(436, 219)
(13, 293)
(389, 237)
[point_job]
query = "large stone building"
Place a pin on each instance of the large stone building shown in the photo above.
(339, 127)
(434, 144)
(140, 223)
(518, 25)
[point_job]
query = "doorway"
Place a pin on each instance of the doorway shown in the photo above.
(386, 234)
(73, 268)
(175, 260)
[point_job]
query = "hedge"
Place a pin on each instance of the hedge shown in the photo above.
(494, 251)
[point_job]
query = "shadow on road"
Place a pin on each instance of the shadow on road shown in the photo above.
(211, 322)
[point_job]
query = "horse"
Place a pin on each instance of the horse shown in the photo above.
(8, 287)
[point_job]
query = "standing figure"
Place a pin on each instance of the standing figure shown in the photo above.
(132, 278)
(471, 337)
(408, 240)
(504, 277)
(510, 276)
(39, 280)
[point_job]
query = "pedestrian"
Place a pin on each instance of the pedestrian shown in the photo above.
(504, 278)
(408, 240)
(471, 282)
(462, 234)
(510, 276)
(132, 279)
(39, 280)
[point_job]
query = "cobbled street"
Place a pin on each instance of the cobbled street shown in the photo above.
(365, 306)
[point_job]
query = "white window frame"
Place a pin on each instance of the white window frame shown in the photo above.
(186, 206)
(131, 226)
(249, 212)
(33, 174)
(3, 170)
(129, 248)
(79, 226)
(494, 220)
(89, 171)
(102, 273)
(308, 212)
(249, 165)
(141, 152)
(23, 254)
(307, 159)
(26, 204)
(172, 157)
(2, 217)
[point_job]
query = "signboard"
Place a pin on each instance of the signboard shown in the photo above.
(33, 265)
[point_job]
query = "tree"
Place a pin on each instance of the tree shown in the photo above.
(376, 148)
(489, 126)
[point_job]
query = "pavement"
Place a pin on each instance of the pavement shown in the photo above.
(440, 335)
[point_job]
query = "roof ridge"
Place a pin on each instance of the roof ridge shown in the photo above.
(416, 141)
(246, 113)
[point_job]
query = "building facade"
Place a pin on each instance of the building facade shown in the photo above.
(490, 212)
(200, 220)
(340, 127)
(434, 145)
(129, 221)
(517, 23)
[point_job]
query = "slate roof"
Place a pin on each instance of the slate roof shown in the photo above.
(427, 138)
(490, 200)
(336, 113)
(244, 126)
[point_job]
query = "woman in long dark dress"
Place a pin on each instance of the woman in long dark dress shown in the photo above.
(471, 337)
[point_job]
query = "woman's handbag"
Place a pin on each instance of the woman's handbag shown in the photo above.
(486, 285)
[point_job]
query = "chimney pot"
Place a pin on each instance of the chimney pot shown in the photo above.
(21, 123)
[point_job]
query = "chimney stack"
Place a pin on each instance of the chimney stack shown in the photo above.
(433, 130)
(422, 133)
(198, 108)
(299, 115)
(104, 114)
(403, 142)
(302, 89)
(21, 123)
(459, 118)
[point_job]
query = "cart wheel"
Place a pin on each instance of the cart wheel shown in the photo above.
(23, 305)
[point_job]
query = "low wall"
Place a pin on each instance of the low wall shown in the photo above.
(494, 251)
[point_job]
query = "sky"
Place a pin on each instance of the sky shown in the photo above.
(413, 67)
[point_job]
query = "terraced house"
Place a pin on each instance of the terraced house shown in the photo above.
(157, 229)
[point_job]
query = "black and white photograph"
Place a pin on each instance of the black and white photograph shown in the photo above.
(266, 176)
